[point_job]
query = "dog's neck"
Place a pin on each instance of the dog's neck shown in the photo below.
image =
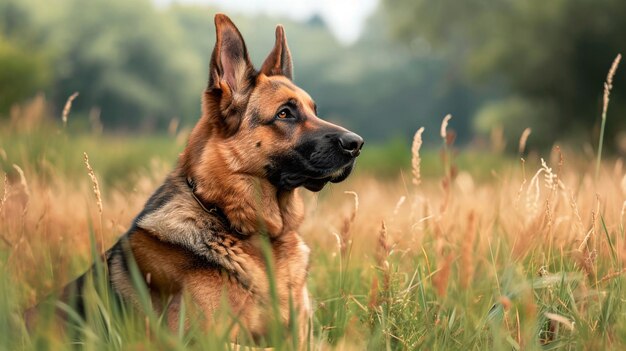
(252, 205)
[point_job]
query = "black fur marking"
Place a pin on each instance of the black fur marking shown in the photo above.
(255, 118)
(159, 198)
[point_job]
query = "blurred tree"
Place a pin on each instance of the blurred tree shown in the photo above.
(124, 57)
(24, 68)
(23, 74)
(550, 58)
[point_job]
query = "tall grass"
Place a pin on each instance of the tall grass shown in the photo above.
(461, 260)
(608, 85)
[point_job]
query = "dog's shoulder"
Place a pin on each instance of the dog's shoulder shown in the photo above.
(173, 215)
(174, 223)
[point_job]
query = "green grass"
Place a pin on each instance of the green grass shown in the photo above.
(119, 159)
(410, 314)
(414, 301)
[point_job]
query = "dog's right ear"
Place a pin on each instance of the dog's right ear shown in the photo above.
(279, 60)
(230, 68)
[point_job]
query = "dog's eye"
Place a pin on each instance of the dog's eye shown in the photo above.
(284, 113)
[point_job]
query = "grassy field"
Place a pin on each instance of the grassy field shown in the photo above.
(478, 252)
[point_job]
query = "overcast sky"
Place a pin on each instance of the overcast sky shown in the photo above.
(345, 18)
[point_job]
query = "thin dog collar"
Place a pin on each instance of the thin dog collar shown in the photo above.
(211, 209)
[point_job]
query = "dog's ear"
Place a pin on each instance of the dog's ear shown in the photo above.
(230, 63)
(279, 60)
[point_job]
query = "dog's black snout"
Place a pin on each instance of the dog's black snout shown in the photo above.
(351, 143)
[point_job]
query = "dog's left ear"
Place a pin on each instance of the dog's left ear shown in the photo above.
(230, 62)
(279, 60)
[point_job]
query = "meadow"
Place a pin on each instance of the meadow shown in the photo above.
(420, 249)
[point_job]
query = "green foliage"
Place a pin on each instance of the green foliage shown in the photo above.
(125, 58)
(542, 54)
(23, 74)
(120, 159)
(516, 113)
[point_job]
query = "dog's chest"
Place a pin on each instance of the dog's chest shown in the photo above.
(289, 267)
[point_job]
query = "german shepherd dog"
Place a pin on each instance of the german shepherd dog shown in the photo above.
(237, 182)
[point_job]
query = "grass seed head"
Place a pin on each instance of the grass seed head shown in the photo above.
(415, 159)
(94, 182)
(441, 278)
(346, 235)
(68, 107)
(523, 139)
(384, 247)
(24, 185)
(608, 84)
(5, 193)
(444, 127)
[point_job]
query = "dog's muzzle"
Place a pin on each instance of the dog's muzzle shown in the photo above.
(323, 158)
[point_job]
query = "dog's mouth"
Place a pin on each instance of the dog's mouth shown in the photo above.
(339, 175)
(288, 177)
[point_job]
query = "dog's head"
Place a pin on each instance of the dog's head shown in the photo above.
(262, 124)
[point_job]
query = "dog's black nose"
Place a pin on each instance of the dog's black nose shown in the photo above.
(351, 143)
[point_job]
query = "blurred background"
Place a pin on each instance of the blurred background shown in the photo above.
(483, 237)
(383, 68)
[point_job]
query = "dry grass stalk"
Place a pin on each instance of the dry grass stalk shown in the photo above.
(523, 139)
(172, 128)
(382, 254)
(579, 220)
(610, 276)
(585, 255)
(416, 160)
(24, 185)
(559, 171)
(373, 299)
(96, 191)
(94, 182)
(339, 243)
(590, 234)
(467, 252)
(5, 194)
(548, 216)
(608, 85)
(444, 127)
(533, 193)
(384, 247)
(549, 176)
(396, 209)
(399, 204)
(23, 182)
(560, 319)
(621, 216)
(345, 232)
(68, 107)
(440, 280)
(521, 187)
